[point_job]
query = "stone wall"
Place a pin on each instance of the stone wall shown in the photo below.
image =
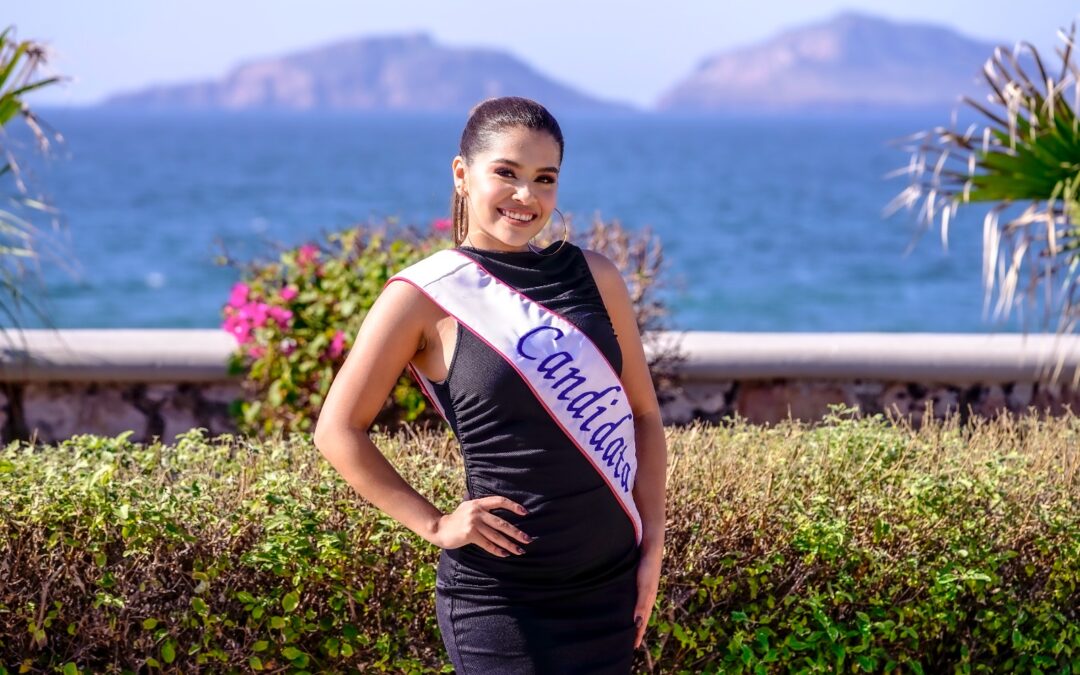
(52, 411)
(160, 383)
(770, 401)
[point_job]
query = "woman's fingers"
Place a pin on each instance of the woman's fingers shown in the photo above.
(505, 527)
(499, 539)
(497, 502)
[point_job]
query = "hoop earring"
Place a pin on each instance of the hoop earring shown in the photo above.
(565, 235)
(461, 227)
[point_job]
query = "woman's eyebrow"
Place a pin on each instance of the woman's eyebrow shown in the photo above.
(548, 169)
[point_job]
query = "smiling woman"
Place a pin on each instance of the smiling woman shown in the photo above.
(533, 358)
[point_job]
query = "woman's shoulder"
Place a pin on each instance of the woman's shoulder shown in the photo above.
(604, 271)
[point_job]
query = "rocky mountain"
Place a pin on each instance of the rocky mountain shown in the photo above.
(852, 62)
(395, 73)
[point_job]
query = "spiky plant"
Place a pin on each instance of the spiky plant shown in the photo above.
(20, 65)
(1023, 158)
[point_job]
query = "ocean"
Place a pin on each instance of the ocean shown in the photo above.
(767, 224)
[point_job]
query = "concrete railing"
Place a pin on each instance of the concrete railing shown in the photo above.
(160, 382)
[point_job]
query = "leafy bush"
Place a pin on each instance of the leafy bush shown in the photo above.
(855, 546)
(295, 318)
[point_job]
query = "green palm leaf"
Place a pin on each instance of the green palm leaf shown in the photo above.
(19, 238)
(1025, 149)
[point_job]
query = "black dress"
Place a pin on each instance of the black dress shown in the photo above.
(566, 605)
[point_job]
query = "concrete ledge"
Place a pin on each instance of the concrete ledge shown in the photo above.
(958, 358)
(199, 355)
(116, 355)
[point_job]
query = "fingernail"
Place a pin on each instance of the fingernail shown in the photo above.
(520, 550)
(637, 621)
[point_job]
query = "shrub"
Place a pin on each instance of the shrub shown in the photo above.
(855, 546)
(295, 318)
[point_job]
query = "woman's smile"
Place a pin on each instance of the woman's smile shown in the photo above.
(516, 216)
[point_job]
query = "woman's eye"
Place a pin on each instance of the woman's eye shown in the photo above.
(505, 172)
(546, 179)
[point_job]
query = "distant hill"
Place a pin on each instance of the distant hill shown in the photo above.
(852, 62)
(398, 73)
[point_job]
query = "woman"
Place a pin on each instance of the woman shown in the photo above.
(534, 359)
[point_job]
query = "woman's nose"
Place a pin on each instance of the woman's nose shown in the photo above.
(523, 194)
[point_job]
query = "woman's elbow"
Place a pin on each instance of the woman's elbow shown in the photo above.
(326, 429)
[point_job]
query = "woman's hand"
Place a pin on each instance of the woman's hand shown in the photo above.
(648, 583)
(473, 523)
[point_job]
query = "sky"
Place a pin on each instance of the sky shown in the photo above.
(624, 50)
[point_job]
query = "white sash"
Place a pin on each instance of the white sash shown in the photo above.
(566, 372)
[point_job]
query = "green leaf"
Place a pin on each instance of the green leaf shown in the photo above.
(290, 601)
(168, 651)
(71, 669)
(149, 624)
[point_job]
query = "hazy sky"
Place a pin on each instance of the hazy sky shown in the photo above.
(628, 50)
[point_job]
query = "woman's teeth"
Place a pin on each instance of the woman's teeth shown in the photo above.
(520, 217)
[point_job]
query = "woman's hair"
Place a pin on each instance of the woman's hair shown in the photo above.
(486, 120)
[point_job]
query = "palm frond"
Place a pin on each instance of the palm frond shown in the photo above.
(1026, 148)
(20, 66)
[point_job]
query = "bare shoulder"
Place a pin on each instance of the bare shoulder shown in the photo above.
(605, 272)
(404, 301)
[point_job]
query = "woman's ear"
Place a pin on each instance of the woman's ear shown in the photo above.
(461, 181)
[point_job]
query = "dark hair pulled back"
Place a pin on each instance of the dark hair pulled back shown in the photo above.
(486, 120)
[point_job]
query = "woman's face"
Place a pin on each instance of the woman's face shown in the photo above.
(510, 188)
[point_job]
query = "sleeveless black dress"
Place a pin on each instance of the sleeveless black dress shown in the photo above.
(566, 605)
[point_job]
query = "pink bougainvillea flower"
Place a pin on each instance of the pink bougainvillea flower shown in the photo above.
(237, 327)
(441, 224)
(239, 294)
(280, 315)
(256, 351)
(288, 293)
(256, 312)
(306, 254)
(337, 345)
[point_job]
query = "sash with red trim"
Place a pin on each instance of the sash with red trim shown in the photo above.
(565, 370)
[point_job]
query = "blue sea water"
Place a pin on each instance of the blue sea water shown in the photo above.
(767, 224)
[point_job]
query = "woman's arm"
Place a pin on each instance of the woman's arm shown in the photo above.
(650, 483)
(389, 338)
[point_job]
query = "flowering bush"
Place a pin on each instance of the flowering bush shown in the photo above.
(294, 319)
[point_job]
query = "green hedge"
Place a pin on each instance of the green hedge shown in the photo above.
(854, 546)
